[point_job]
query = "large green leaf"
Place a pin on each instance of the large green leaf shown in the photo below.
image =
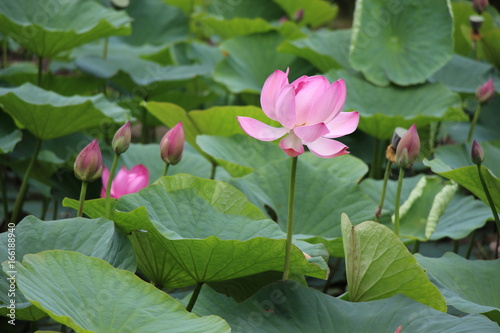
(325, 188)
(237, 26)
(48, 115)
(462, 74)
(97, 238)
(382, 109)
(468, 285)
(229, 9)
(47, 28)
(378, 265)
(89, 295)
(239, 154)
(205, 225)
(250, 60)
(10, 135)
(324, 48)
(468, 177)
(391, 41)
(289, 307)
(315, 12)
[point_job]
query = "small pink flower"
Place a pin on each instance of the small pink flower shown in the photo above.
(88, 164)
(121, 140)
(172, 145)
(485, 91)
(125, 181)
(398, 330)
(309, 109)
(477, 153)
(480, 5)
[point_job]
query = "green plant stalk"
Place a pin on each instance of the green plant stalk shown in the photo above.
(144, 128)
(40, 71)
(194, 296)
(83, 192)
(471, 245)
(289, 227)
(398, 200)
(474, 121)
(45, 208)
(212, 172)
(384, 189)
(416, 247)
(3, 187)
(54, 210)
(376, 160)
(110, 183)
(24, 185)
(166, 169)
(490, 202)
(4, 52)
(105, 49)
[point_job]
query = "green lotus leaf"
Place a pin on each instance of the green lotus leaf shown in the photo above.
(198, 222)
(378, 266)
(228, 9)
(324, 48)
(237, 26)
(48, 115)
(315, 12)
(97, 238)
(391, 41)
(10, 135)
(48, 28)
(89, 295)
(467, 285)
(287, 306)
(382, 109)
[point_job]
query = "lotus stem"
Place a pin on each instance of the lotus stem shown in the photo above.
(83, 192)
(471, 245)
(4, 52)
(194, 296)
(474, 121)
(398, 200)
(166, 169)
(24, 185)
(490, 202)
(212, 172)
(289, 227)
(376, 160)
(40, 71)
(105, 49)
(384, 189)
(416, 247)
(110, 183)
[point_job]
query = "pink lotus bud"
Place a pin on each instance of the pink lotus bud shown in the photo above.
(121, 140)
(479, 5)
(398, 330)
(408, 147)
(485, 91)
(88, 164)
(299, 15)
(477, 153)
(172, 145)
(125, 181)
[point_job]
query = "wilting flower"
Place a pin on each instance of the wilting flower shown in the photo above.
(477, 153)
(408, 147)
(88, 164)
(172, 145)
(485, 91)
(480, 5)
(121, 140)
(125, 181)
(309, 109)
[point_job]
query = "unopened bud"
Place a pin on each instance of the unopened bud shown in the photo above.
(88, 164)
(299, 15)
(479, 5)
(121, 140)
(408, 148)
(477, 153)
(485, 91)
(172, 145)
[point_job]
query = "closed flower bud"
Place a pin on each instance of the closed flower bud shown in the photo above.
(480, 5)
(88, 164)
(485, 91)
(172, 145)
(121, 140)
(477, 153)
(408, 148)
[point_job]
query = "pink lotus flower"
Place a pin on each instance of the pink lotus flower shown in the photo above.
(485, 91)
(408, 147)
(125, 181)
(309, 109)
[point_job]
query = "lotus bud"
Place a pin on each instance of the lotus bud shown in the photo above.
(299, 15)
(172, 145)
(390, 152)
(408, 148)
(88, 164)
(479, 5)
(476, 153)
(485, 91)
(121, 140)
